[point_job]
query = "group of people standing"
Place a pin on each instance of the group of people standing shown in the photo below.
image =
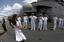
(25, 22)
(33, 22)
(39, 22)
(58, 23)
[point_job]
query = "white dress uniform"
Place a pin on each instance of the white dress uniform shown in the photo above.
(45, 23)
(33, 20)
(63, 24)
(41, 19)
(18, 33)
(25, 21)
(60, 22)
(55, 22)
(19, 20)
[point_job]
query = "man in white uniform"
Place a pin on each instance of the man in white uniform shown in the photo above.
(19, 20)
(45, 23)
(40, 24)
(33, 20)
(55, 23)
(63, 24)
(25, 22)
(60, 22)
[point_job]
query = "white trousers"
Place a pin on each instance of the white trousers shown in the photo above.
(55, 25)
(33, 25)
(59, 24)
(25, 24)
(45, 25)
(40, 25)
(62, 24)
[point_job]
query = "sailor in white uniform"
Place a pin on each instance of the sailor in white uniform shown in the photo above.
(60, 22)
(25, 22)
(55, 23)
(45, 23)
(40, 24)
(63, 24)
(19, 20)
(33, 20)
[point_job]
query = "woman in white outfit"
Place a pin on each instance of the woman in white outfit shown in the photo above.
(20, 37)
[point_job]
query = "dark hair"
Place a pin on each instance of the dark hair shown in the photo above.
(13, 20)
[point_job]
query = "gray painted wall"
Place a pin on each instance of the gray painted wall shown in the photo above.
(56, 10)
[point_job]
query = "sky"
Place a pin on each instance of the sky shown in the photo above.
(8, 5)
(11, 2)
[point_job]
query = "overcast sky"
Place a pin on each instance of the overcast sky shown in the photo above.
(11, 2)
(6, 5)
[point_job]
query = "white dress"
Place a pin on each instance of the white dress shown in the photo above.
(18, 33)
